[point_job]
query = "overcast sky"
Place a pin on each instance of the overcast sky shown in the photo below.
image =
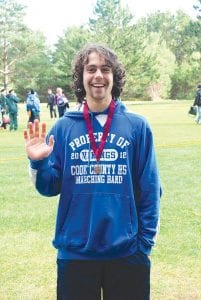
(56, 15)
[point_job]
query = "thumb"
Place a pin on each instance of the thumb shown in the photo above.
(51, 141)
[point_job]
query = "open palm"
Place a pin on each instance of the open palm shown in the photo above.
(35, 142)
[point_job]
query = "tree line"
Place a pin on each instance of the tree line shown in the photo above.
(161, 52)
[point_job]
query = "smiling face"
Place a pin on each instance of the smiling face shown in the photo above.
(97, 79)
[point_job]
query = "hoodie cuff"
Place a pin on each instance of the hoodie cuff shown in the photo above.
(39, 164)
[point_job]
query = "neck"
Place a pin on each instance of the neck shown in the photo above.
(98, 105)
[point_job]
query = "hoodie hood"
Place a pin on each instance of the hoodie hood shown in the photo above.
(77, 111)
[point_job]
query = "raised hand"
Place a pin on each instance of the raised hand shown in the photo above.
(35, 142)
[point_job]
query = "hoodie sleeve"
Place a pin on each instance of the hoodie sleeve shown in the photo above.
(147, 189)
(46, 173)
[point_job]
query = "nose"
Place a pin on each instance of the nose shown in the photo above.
(98, 74)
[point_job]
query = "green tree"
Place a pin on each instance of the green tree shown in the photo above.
(174, 30)
(182, 36)
(66, 48)
(35, 68)
(197, 7)
(11, 28)
(165, 67)
(113, 25)
(25, 58)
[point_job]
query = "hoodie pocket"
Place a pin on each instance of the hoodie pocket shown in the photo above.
(98, 222)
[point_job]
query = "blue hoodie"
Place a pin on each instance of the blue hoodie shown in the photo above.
(107, 215)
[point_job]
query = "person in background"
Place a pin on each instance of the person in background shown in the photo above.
(197, 102)
(61, 102)
(3, 103)
(33, 106)
(100, 158)
(51, 103)
(11, 103)
(5, 121)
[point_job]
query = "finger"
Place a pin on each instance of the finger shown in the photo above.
(36, 127)
(51, 141)
(25, 135)
(31, 134)
(43, 131)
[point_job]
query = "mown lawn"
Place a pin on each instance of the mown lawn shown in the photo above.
(27, 220)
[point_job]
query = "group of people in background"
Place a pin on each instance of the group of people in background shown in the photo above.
(57, 103)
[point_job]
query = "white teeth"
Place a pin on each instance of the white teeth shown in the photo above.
(98, 85)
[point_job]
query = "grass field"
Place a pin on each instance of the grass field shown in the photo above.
(27, 220)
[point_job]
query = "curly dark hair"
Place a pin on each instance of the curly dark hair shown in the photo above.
(111, 59)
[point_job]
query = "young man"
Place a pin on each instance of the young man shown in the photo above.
(12, 107)
(197, 102)
(51, 103)
(101, 161)
(2, 103)
(33, 106)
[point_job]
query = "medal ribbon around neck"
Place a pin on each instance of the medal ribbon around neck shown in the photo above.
(98, 150)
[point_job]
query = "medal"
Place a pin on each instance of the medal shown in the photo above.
(97, 169)
(98, 150)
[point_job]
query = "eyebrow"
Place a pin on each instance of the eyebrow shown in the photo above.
(92, 65)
